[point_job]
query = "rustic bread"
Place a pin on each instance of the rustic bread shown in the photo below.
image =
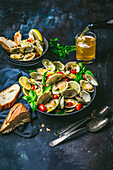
(17, 116)
(7, 44)
(8, 96)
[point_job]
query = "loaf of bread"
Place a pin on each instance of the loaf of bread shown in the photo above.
(7, 44)
(17, 116)
(8, 96)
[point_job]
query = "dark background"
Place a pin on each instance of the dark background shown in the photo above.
(62, 19)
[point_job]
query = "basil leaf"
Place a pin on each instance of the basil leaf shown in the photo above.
(46, 89)
(56, 39)
(78, 77)
(60, 112)
(31, 93)
(80, 65)
(43, 78)
(89, 72)
(27, 98)
(84, 69)
(33, 106)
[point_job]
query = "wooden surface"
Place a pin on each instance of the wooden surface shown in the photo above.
(62, 19)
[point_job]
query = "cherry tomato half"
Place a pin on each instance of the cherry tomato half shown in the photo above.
(42, 108)
(64, 77)
(69, 104)
(32, 87)
(78, 106)
(60, 72)
(55, 96)
(84, 76)
(37, 55)
(73, 71)
(67, 79)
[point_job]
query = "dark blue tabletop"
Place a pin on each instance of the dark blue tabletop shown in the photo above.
(62, 19)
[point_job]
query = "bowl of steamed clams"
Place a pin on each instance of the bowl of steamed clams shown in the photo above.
(25, 49)
(56, 89)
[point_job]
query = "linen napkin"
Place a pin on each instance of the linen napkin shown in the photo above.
(8, 77)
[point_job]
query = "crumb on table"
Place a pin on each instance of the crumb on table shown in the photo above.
(48, 130)
(42, 125)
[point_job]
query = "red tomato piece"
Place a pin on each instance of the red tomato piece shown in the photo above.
(32, 87)
(42, 108)
(73, 71)
(15, 45)
(67, 79)
(37, 55)
(78, 106)
(60, 72)
(84, 76)
(64, 76)
(55, 96)
(69, 104)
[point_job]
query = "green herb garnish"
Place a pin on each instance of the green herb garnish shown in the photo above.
(89, 72)
(46, 89)
(43, 78)
(32, 99)
(59, 49)
(31, 71)
(60, 112)
(78, 77)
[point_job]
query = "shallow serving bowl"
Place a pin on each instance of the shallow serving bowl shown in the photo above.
(30, 62)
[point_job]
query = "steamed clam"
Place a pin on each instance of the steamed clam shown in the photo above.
(59, 87)
(54, 78)
(69, 93)
(86, 86)
(44, 98)
(91, 79)
(17, 56)
(72, 65)
(29, 56)
(70, 103)
(36, 75)
(59, 65)
(51, 105)
(48, 65)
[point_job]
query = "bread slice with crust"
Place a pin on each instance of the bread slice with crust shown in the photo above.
(17, 116)
(8, 96)
(7, 44)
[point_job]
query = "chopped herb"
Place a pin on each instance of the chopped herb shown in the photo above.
(46, 89)
(43, 78)
(31, 71)
(61, 50)
(89, 72)
(78, 77)
(60, 112)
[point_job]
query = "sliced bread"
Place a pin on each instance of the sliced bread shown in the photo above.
(8, 96)
(17, 116)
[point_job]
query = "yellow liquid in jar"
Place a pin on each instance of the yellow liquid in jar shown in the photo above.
(85, 48)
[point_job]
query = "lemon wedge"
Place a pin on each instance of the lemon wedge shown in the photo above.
(23, 81)
(35, 34)
(74, 85)
(26, 92)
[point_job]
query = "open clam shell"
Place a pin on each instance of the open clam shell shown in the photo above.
(54, 78)
(85, 96)
(36, 76)
(17, 56)
(51, 105)
(69, 110)
(70, 103)
(86, 86)
(73, 65)
(16, 50)
(34, 82)
(91, 79)
(74, 85)
(69, 93)
(59, 65)
(44, 98)
(70, 75)
(48, 65)
(59, 87)
(62, 102)
(29, 56)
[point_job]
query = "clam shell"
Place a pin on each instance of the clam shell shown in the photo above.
(59, 87)
(72, 64)
(51, 105)
(16, 50)
(74, 85)
(36, 76)
(44, 98)
(17, 56)
(69, 110)
(62, 102)
(55, 78)
(29, 56)
(72, 101)
(91, 79)
(69, 93)
(48, 65)
(86, 86)
(85, 96)
(59, 65)
(80, 100)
